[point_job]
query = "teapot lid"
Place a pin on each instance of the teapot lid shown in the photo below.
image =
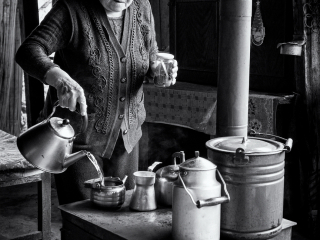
(168, 172)
(197, 164)
(62, 127)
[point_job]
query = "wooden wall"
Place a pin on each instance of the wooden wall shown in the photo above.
(194, 34)
(10, 74)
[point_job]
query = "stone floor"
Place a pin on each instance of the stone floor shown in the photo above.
(18, 212)
(19, 209)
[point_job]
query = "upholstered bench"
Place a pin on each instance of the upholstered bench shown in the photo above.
(15, 170)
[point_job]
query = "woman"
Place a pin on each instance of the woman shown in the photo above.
(104, 50)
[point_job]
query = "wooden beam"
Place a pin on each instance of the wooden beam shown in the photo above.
(34, 88)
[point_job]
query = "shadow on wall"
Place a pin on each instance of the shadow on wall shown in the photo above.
(160, 141)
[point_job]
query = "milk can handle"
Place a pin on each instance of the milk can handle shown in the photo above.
(288, 142)
(84, 118)
(209, 201)
(179, 155)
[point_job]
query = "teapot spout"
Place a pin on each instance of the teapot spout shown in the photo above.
(74, 157)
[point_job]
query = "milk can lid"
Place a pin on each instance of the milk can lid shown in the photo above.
(197, 164)
(62, 127)
(249, 145)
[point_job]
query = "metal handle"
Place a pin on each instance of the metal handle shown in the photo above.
(179, 155)
(155, 166)
(287, 142)
(84, 118)
(209, 201)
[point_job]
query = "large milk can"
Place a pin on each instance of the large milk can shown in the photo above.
(253, 169)
(197, 200)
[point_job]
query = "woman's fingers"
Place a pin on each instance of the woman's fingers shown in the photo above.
(174, 72)
(68, 90)
(83, 104)
(72, 103)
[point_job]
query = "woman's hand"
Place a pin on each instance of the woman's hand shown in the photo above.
(68, 90)
(173, 72)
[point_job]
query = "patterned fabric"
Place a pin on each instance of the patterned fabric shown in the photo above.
(88, 50)
(193, 106)
(117, 24)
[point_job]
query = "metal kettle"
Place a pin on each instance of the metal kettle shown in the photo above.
(165, 177)
(48, 144)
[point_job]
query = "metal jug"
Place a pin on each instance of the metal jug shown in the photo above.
(48, 144)
(193, 218)
(143, 197)
(165, 177)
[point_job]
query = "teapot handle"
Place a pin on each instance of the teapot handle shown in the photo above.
(84, 118)
(209, 201)
(179, 155)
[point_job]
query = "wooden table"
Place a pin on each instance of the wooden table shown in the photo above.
(15, 170)
(83, 221)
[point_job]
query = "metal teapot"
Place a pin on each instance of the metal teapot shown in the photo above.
(165, 177)
(48, 144)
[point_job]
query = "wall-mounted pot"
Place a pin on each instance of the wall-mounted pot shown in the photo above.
(253, 169)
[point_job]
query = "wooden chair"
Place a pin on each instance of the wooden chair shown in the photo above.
(15, 170)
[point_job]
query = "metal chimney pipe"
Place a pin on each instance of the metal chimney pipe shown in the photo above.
(233, 67)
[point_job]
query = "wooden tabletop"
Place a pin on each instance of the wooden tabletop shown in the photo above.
(10, 156)
(119, 224)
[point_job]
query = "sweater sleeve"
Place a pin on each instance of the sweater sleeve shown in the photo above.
(154, 46)
(54, 33)
(153, 50)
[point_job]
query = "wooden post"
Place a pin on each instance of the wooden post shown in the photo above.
(307, 117)
(34, 88)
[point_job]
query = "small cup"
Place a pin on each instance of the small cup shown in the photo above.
(164, 65)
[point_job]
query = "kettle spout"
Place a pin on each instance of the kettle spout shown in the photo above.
(74, 157)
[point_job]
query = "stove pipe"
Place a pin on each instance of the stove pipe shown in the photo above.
(233, 67)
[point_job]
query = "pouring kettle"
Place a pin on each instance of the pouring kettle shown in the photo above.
(165, 177)
(48, 144)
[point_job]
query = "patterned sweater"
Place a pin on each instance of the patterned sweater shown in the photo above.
(111, 73)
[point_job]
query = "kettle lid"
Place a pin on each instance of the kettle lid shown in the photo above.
(62, 127)
(197, 164)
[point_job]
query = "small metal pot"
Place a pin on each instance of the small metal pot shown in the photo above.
(110, 196)
(165, 177)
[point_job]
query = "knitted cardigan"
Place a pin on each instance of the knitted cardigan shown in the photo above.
(111, 73)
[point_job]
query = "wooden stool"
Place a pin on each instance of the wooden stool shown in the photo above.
(15, 170)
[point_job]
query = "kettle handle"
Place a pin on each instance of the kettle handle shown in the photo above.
(209, 201)
(179, 155)
(84, 118)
